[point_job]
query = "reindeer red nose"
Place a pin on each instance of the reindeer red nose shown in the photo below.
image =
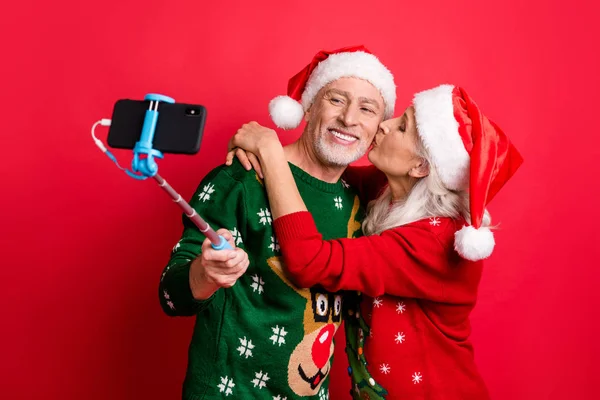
(322, 346)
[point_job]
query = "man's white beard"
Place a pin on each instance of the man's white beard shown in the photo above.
(337, 154)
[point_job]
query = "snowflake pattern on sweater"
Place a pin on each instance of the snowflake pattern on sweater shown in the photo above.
(261, 352)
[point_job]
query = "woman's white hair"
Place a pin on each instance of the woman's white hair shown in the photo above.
(428, 198)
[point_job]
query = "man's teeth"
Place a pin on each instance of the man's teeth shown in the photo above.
(343, 137)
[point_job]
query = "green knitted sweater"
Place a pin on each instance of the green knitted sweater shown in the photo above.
(263, 338)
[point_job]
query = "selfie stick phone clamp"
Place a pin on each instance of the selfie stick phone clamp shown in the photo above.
(146, 167)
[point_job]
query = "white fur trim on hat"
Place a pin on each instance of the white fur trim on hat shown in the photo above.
(286, 112)
(356, 64)
(438, 129)
(474, 244)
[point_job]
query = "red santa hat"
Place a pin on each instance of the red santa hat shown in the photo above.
(470, 152)
(327, 66)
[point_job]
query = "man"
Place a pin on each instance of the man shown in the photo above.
(256, 335)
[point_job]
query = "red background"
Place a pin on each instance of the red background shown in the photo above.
(83, 245)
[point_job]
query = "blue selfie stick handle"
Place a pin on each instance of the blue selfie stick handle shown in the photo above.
(224, 245)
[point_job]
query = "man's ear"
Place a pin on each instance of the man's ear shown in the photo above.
(307, 113)
(421, 170)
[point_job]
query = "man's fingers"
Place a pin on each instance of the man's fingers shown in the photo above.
(239, 268)
(225, 233)
(205, 246)
(235, 260)
(245, 264)
(212, 255)
(227, 276)
(228, 236)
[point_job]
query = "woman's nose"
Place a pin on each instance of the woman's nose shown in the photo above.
(383, 128)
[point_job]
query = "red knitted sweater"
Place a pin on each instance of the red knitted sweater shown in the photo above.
(417, 296)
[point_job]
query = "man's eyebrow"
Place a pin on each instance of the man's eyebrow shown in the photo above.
(340, 92)
(369, 101)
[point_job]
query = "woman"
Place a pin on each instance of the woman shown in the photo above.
(419, 264)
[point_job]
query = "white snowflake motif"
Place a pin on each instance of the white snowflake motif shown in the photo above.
(278, 397)
(171, 305)
(385, 369)
(435, 221)
(323, 394)
(338, 202)
(207, 190)
(265, 216)
(166, 295)
(417, 378)
(400, 337)
(246, 347)
(274, 246)
(177, 246)
(226, 385)
(278, 336)
(345, 184)
(237, 236)
(377, 302)
(400, 308)
(261, 379)
(257, 284)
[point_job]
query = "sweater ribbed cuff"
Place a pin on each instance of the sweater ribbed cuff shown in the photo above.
(181, 291)
(295, 226)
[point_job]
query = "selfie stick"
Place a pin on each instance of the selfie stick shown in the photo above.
(146, 167)
(217, 242)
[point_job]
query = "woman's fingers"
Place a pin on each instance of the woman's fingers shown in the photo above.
(229, 158)
(255, 164)
(243, 157)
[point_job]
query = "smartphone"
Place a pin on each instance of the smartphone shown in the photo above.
(179, 126)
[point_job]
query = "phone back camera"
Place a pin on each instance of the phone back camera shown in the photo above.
(192, 112)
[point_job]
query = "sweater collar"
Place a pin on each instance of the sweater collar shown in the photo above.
(314, 182)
